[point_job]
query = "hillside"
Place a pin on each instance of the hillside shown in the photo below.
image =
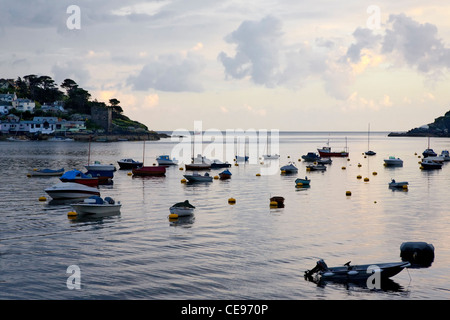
(439, 128)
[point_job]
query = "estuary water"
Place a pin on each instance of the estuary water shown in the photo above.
(242, 251)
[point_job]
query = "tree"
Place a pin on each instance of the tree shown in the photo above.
(115, 105)
(69, 85)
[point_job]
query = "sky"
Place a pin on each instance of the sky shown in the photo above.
(292, 65)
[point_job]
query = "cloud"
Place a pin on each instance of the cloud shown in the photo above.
(258, 45)
(170, 72)
(365, 39)
(416, 44)
(73, 69)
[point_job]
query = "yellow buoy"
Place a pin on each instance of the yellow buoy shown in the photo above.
(71, 214)
(173, 216)
(183, 180)
(231, 200)
(216, 177)
(366, 179)
(236, 164)
(42, 198)
(299, 160)
(258, 174)
(308, 169)
(374, 173)
(358, 176)
(359, 165)
(181, 168)
(130, 173)
(348, 159)
(288, 157)
(28, 175)
(421, 167)
(273, 204)
(405, 187)
(343, 168)
(348, 193)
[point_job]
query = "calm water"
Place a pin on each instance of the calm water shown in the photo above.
(241, 251)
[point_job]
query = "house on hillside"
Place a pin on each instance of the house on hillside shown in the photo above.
(23, 105)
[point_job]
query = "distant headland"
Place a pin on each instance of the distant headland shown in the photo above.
(36, 108)
(439, 128)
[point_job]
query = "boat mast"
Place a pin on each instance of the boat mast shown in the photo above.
(143, 154)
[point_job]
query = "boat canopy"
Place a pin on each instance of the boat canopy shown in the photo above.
(72, 174)
(183, 204)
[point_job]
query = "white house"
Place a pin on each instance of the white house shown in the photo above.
(23, 105)
(4, 109)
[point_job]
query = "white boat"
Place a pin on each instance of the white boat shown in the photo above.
(97, 166)
(395, 184)
(95, 205)
(393, 161)
(271, 156)
(196, 177)
(241, 158)
(182, 209)
(71, 190)
(199, 163)
(445, 155)
(164, 160)
(436, 159)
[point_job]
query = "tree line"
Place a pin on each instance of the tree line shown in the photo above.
(43, 89)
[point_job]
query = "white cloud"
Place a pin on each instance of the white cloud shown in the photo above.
(170, 72)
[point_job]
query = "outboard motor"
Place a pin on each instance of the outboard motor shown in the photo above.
(320, 266)
(419, 254)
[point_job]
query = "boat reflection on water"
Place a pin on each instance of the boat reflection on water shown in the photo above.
(387, 285)
(185, 221)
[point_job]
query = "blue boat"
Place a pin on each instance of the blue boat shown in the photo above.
(217, 164)
(311, 156)
(226, 174)
(304, 182)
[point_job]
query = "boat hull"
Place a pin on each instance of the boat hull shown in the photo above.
(97, 209)
(363, 272)
(46, 173)
(194, 166)
(325, 153)
(91, 182)
(129, 164)
(150, 171)
(70, 190)
(193, 178)
(182, 211)
(304, 182)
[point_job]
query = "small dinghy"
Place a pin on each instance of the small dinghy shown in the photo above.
(316, 167)
(196, 177)
(395, 184)
(181, 209)
(46, 173)
(302, 182)
(355, 272)
(224, 175)
(95, 205)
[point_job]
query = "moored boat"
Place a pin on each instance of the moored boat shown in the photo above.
(302, 182)
(182, 209)
(393, 161)
(95, 205)
(430, 164)
(395, 184)
(445, 155)
(217, 164)
(316, 167)
(128, 163)
(326, 153)
(149, 171)
(165, 160)
(224, 175)
(97, 166)
(324, 161)
(351, 273)
(196, 177)
(71, 190)
(271, 156)
(199, 163)
(289, 168)
(46, 172)
(79, 177)
(311, 156)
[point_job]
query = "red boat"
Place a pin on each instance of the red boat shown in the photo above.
(150, 171)
(326, 152)
(79, 177)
